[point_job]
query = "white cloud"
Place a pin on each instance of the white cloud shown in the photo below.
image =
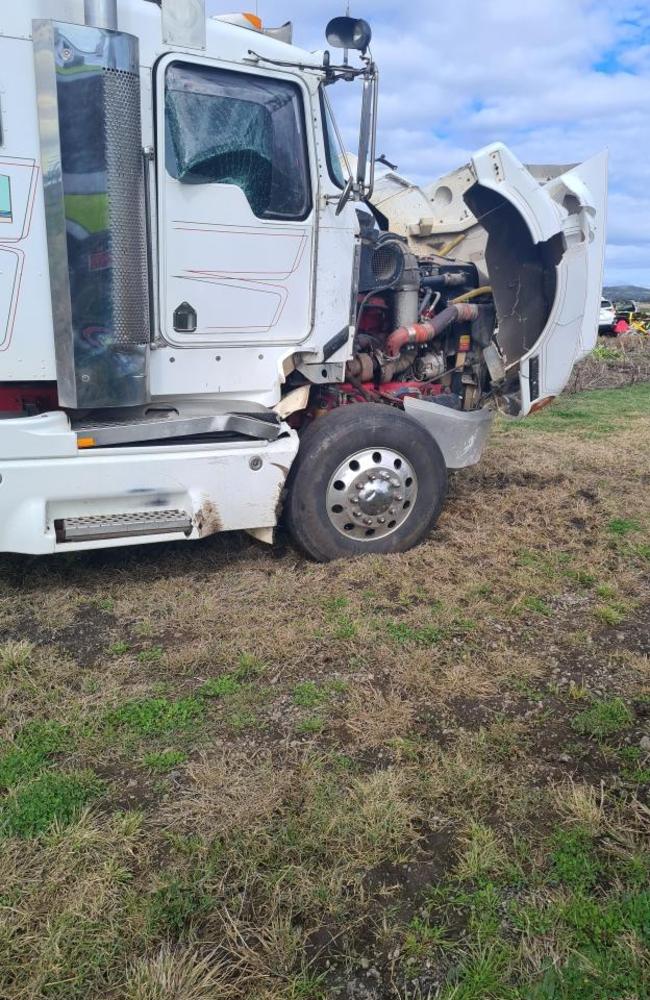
(557, 81)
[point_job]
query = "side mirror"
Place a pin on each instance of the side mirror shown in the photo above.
(349, 33)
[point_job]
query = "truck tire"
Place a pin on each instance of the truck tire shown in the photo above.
(367, 478)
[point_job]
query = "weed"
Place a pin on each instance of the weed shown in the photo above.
(315, 724)
(249, 667)
(15, 655)
(483, 854)
(602, 353)
(583, 578)
(603, 719)
(610, 614)
(175, 905)
(152, 655)
(308, 695)
(31, 751)
(573, 860)
(119, 648)
(345, 628)
(50, 798)
(157, 716)
(221, 687)
(164, 760)
(623, 526)
(537, 605)
(422, 938)
(239, 720)
(426, 635)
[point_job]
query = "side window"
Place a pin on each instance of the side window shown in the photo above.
(226, 127)
(333, 147)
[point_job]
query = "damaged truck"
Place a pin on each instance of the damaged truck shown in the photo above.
(213, 319)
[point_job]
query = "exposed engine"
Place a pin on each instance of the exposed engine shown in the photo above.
(424, 328)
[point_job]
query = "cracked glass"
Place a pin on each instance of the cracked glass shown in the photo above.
(226, 127)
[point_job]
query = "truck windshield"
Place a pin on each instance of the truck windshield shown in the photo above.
(333, 147)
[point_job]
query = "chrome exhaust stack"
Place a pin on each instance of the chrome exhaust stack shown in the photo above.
(101, 14)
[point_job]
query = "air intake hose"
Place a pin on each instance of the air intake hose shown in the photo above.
(423, 333)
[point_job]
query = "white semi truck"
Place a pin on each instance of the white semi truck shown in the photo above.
(211, 319)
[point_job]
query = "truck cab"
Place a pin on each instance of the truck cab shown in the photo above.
(211, 318)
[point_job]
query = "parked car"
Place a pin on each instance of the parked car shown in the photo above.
(607, 316)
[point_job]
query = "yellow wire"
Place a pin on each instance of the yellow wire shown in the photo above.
(448, 247)
(474, 294)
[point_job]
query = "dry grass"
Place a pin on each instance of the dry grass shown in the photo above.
(373, 762)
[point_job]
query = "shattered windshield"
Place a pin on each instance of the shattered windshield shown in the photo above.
(225, 127)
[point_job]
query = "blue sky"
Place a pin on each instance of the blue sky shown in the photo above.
(556, 80)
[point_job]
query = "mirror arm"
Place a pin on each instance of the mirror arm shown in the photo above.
(373, 140)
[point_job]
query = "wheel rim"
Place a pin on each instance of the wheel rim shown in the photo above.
(371, 494)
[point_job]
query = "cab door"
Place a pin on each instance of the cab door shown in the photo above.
(236, 205)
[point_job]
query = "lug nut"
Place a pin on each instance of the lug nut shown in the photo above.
(354, 499)
(385, 475)
(399, 498)
(396, 483)
(368, 520)
(356, 513)
(382, 520)
(360, 486)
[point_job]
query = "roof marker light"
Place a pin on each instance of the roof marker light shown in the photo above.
(255, 21)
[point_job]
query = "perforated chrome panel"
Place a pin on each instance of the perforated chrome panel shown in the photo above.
(127, 228)
(91, 133)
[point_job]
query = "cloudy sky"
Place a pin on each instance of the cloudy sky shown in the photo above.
(556, 80)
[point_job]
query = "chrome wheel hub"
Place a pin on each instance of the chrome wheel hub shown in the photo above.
(371, 494)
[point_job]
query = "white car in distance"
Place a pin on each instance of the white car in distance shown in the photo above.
(607, 316)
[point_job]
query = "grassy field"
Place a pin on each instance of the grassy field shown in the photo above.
(229, 774)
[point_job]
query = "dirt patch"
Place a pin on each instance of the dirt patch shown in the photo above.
(354, 768)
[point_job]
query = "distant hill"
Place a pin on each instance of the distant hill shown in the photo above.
(620, 292)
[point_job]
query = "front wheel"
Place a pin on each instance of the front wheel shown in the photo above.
(367, 478)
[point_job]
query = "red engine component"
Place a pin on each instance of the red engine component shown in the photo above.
(392, 390)
(29, 397)
(375, 315)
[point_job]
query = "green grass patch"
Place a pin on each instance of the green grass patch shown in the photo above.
(315, 724)
(119, 648)
(176, 905)
(623, 526)
(164, 760)
(31, 751)
(308, 695)
(599, 413)
(221, 687)
(426, 635)
(152, 655)
(157, 716)
(602, 353)
(52, 797)
(611, 614)
(537, 606)
(603, 719)
(573, 860)
(241, 719)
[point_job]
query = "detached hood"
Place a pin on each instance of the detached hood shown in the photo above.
(537, 237)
